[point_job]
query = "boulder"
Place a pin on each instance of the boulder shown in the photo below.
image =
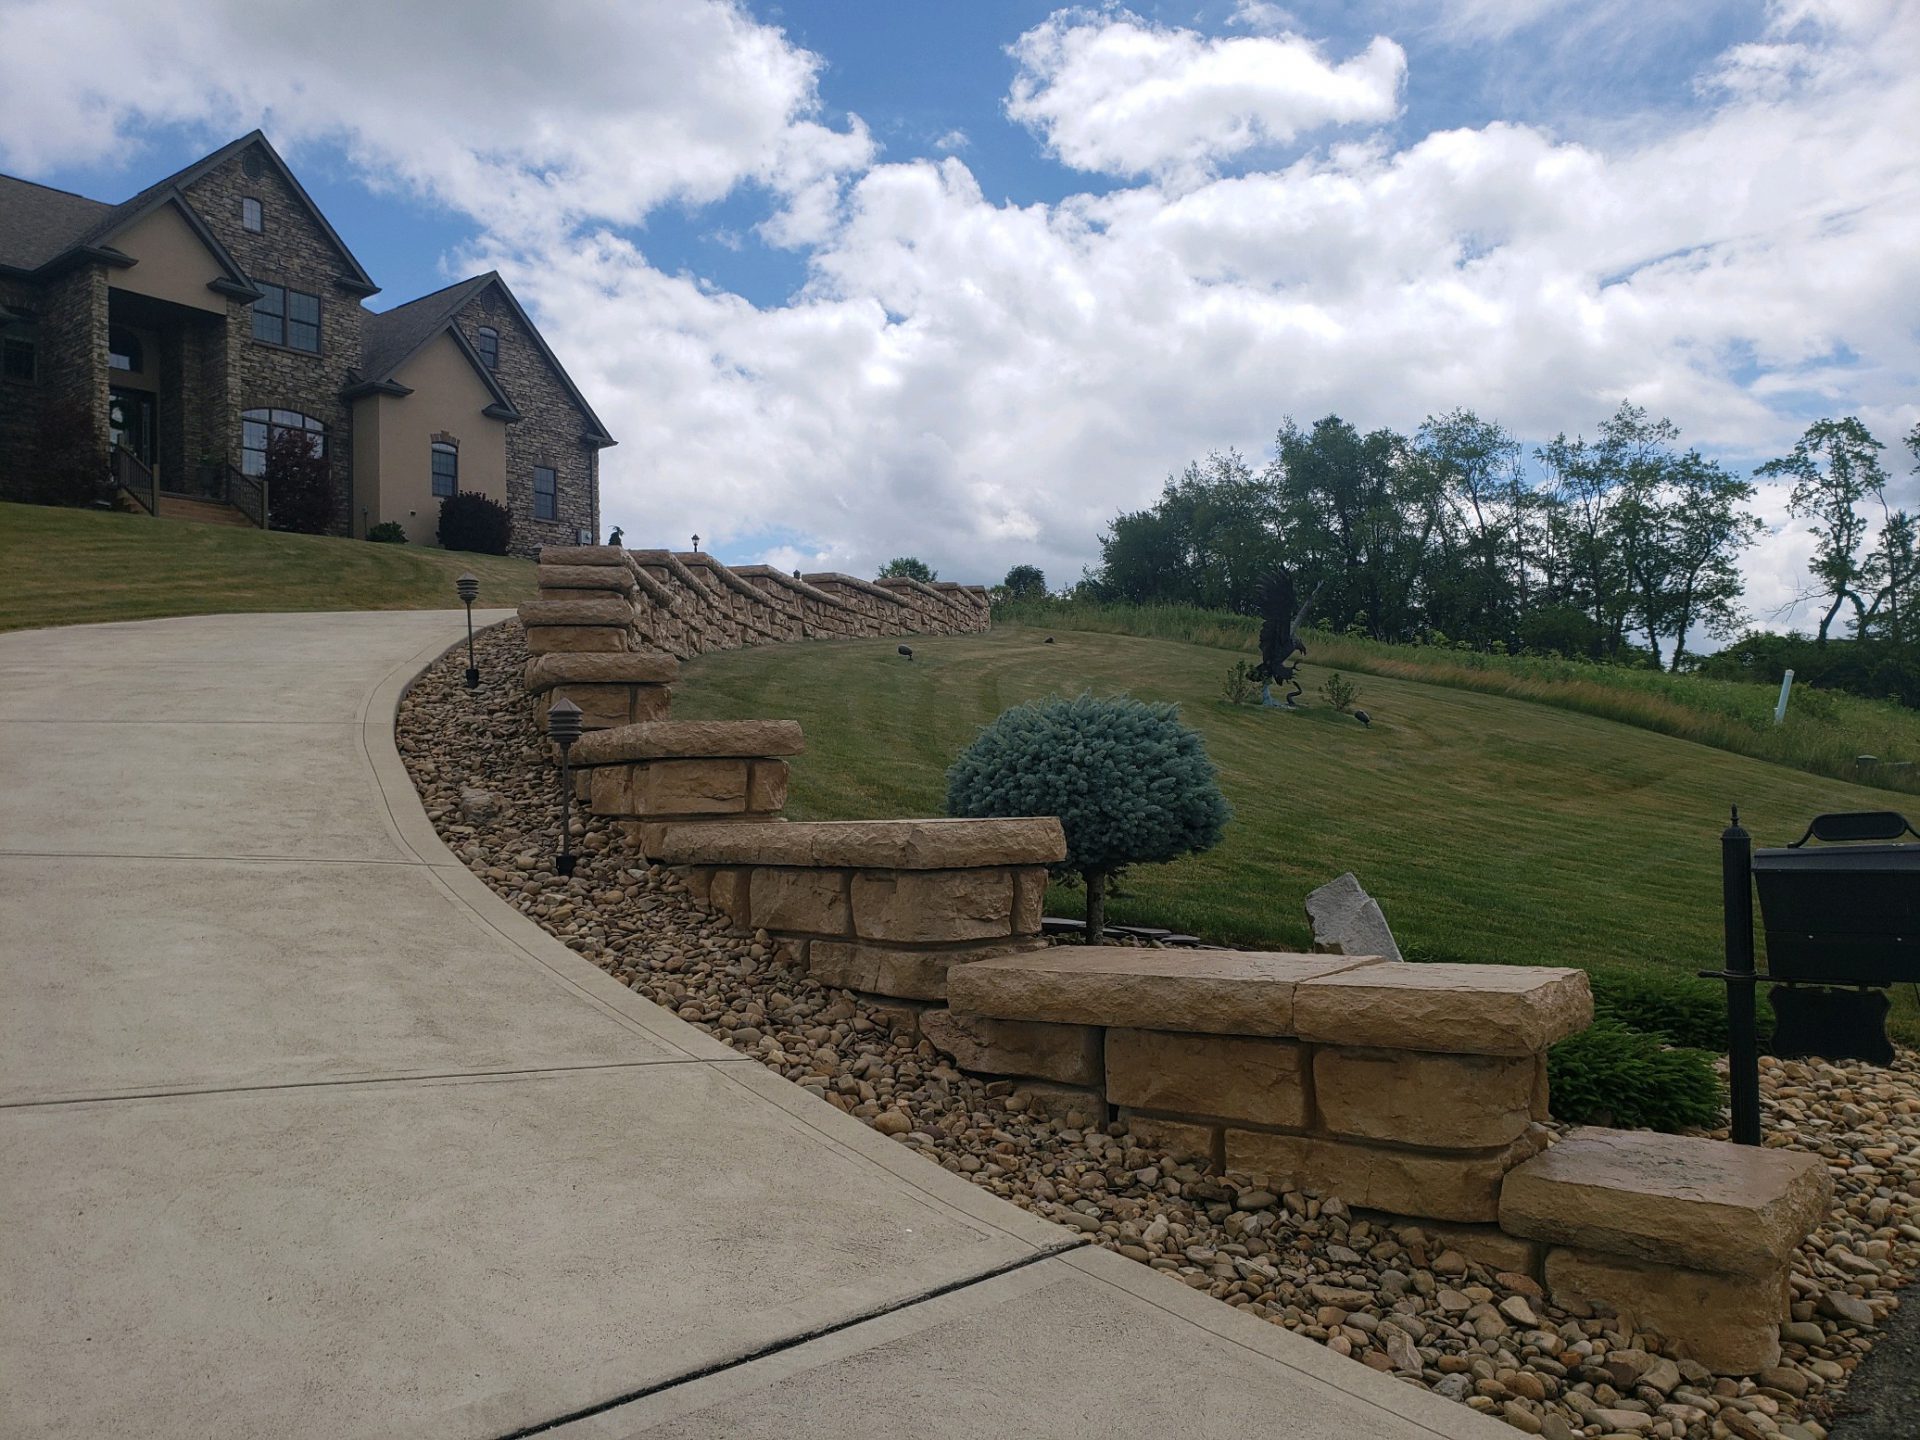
(1348, 921)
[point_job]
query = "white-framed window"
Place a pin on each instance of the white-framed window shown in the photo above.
(446, 469)
(258, 427)
(253, 215)
(287, 317)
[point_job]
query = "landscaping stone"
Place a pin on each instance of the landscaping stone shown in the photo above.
(616, 578)
(1470, 1009)
(1211, 991)
(633, 667)
(607, 707)
(1731, 1322)
(1348, 921)
(582, 555)
(690, 739)
(588, 609)
(877, 844)
(902, 971)
(1673, 1199)
(811, 902)
(1466, 1102)
(573, 639)
(932, 905)
(1449, 1185)
(667, 787)
(1069, 1054)
(1254, 1082)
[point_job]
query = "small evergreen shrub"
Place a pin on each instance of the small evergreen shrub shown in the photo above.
(470, 521)
(1130, 783)
(1610, 1075)
(388, 532)
(1675, 1007)
(1339, 692)
(1239, 688)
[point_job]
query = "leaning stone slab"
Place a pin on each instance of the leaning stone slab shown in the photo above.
(633, 667)
(1219, 992)
(1068, 1054)
(903, 971)
(1225, 1077)
(1454, 1102)
(875, 844)
(1348, 921)
(690, 739)
(1669, 1199)
(1446, 1185)
(1457, 1009)
(582, 555)
(1729, 1323)
(590, 609)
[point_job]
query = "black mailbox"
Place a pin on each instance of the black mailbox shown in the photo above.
(1844, 914)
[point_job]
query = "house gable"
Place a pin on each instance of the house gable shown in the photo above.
(174, 258)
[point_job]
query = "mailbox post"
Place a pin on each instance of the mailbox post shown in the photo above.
(1743, 1035)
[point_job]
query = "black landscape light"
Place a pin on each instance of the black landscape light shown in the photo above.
(469, 589)
(696, 544)
(563, 728)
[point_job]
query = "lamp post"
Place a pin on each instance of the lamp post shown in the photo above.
(563, 728)
(696, 544)
(469, 589)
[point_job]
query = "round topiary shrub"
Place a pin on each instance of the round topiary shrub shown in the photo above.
(470, 521)
(1130, 783)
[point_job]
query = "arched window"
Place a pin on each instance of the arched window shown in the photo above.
(258, 429)
(123, 350)
(489, 346)
(446, 468)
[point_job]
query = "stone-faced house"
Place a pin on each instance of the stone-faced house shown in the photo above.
(175, 334)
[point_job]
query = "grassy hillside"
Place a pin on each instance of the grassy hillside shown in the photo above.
(1824, 732)
(1490, 829)
(72, 567)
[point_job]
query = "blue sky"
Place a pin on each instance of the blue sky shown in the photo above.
(851, 279)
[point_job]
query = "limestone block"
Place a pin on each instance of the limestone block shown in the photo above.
(1069, 1054)
(686, 739)
(633, 667)
(1216, 992)
(1348, 921)
(1486, 1245)
(699, 882)
(1231, 1077)
(932, 905)
(729, 894)
(1669, 1199)
(609, 788)
(802, 902)
(575, 639)
(1177, 1139)
(1069, 1104)
(880, 844)
(688, 787)
(588, 609)
(1729, 1323)
(1455, 1102)
(1460, 1009)
(1029, 899)
(917, 972)
(605, 707)
(582, 555)
(616, 578)
(767, 785)
(1446, 1185)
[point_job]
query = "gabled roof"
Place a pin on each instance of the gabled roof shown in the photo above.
(52, 225)
(393, 337)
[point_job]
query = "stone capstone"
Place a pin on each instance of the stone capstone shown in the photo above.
(1226, 1077)
(1068, 1054)
(1458, 1009)
(634, 667)
(1669, 1199)
(617, 578)
(1218, 992)
(874, 844)
(1466, 1102)
(582, 555)
(1728, 1323)
(1348, 921)
(586, 610)
(685, 739)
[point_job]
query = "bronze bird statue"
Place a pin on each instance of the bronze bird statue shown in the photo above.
(1281, 616)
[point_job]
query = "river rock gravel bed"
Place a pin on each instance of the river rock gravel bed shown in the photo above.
(1387, 1293)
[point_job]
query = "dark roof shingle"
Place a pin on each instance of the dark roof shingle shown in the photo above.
(38, 222)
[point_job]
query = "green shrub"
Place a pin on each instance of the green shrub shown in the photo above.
(1239, 688)
(388, 532)
(1130, 783)
(1339, 692)
(1675, 1007)
(299, 484)
(470, 521)
(1610, 1075)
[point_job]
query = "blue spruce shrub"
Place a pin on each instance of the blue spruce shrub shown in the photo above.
(1130, 783)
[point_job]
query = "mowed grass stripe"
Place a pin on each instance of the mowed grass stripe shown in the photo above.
(1491, 829)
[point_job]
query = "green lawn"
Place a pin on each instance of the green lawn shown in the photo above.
(1490, 828)
(73, 567)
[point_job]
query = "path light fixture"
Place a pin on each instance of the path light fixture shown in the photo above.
(696, 544)
(469, 589)
(563, 728)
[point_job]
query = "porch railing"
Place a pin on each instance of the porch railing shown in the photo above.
(135, 479)
(248, 494)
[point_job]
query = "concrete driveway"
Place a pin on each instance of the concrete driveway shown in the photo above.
(303, 1132)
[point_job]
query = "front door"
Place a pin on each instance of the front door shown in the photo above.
(130, 418)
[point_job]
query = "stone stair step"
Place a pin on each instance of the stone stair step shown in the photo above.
(205, 512)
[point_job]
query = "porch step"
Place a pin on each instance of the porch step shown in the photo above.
(207, 512)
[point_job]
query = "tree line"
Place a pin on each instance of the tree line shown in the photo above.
(1621, 547)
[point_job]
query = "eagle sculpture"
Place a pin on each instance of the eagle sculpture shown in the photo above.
(1281, 616)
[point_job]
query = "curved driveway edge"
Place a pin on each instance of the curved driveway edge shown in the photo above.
(303, 1131)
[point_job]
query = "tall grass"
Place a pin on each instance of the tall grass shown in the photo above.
(1825, 732)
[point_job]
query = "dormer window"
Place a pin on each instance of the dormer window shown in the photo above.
(489, 347)
(252, 216)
